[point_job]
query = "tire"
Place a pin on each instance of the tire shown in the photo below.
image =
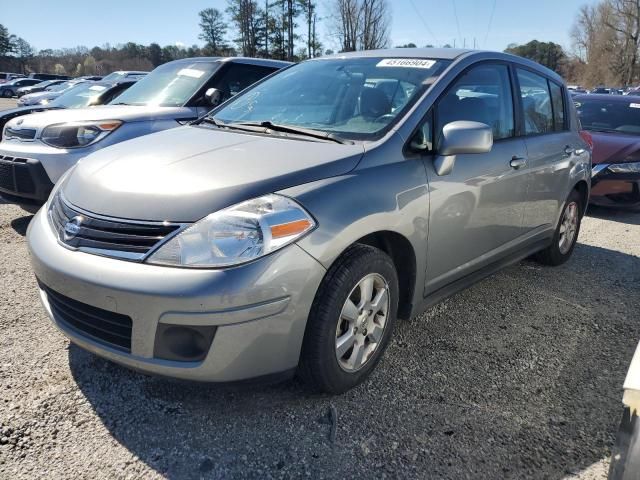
(321, 366)
(555, 254)
(7, 94)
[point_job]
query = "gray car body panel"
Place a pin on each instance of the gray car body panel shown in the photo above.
(235, 299)
(164, 174)
(456, 228)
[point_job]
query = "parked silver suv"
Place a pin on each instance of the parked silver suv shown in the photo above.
(37, 149)
(289, 229)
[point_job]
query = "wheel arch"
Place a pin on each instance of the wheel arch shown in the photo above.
(401, 251)
(582, 187)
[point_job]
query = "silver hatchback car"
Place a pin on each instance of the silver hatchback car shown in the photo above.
(288, 229)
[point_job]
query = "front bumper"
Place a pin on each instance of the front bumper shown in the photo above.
(616, 185)
(258, 310)
(54, 161)
(24, 180)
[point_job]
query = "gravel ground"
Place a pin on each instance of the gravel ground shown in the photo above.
(6, 103)
(519, 376)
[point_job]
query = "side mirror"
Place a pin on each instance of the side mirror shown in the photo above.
(213, 96)
(460, 138)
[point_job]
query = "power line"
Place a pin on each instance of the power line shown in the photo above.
(493, 10)
(424, 22)
(455, 12)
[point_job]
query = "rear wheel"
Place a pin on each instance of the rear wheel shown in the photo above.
(351, 320)
(7, 94)
(566, 235)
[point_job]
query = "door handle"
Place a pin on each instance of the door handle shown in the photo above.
(568, 150)
(518, 162)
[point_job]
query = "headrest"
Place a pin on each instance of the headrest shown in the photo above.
(374, 103)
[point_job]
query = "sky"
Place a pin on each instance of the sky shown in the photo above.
(69, 23)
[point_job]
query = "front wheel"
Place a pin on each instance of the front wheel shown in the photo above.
(7, 94)
(351, 320)
(566, 234)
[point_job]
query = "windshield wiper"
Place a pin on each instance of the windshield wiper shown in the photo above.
(232, 126)
(308, 132)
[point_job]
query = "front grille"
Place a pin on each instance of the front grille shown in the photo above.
(20, 133)
(110, 237)
(15, 175)
(109, 328)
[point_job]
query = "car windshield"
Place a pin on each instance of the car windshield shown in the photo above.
(82, 95)
(59, 87)
(170, 85)
(354, 98)
(609, 116)
(44, 84)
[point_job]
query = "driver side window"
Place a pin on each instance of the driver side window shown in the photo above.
(483, 94)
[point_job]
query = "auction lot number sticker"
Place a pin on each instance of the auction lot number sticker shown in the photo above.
(406, 62)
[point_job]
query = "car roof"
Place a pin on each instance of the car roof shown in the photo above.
(262, 62)
(446, 54)
(605, 96)
(435, 53)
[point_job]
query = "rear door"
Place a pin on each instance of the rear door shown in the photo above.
(476, 210)
(550, 146)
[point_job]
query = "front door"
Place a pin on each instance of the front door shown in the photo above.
(476, 210)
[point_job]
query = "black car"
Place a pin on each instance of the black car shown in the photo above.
(38, 87)
(84, 95)
(10, 89)
(48, 76)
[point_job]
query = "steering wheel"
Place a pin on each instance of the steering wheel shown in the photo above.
(384, 118)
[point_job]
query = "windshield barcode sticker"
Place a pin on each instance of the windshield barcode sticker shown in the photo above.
(191, 72)
(407, 63)
(634, 105)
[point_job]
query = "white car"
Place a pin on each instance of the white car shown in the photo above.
(37, 149)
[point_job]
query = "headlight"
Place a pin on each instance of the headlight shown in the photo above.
(44, 101)
(77, 134)
(237, 234)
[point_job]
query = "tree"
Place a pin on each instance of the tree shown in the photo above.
(606, 52)
(375, 24)
(347, 13)
(314, 47)
(5, 41)
(408, 45)
(154, 54)
(249, 22)
(23, 51)
(362, 24)
(549, 54)
(214, 29)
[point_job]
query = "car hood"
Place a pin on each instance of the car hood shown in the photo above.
(6, 115)
(186, 173)
(125, 113)
(614, 147)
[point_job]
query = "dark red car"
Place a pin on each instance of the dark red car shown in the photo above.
(614, 124)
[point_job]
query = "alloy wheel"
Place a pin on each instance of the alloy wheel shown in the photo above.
(362, 322)
(568, 227)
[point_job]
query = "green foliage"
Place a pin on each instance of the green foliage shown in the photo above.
(6, 45)
(214, 30)
(549, 54)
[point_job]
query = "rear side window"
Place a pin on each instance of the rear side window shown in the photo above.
(557, 100)
(536, 103)
(239, 76)
(483, 94)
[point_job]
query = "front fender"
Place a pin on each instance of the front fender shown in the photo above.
(384, 197)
